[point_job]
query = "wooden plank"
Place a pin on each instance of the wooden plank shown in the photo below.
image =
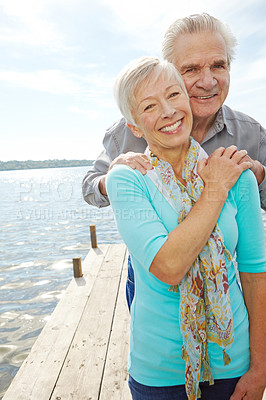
(39, 372)
(114, 384)
(83, 370)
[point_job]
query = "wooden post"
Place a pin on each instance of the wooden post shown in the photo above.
(93, 236)
(77, 268)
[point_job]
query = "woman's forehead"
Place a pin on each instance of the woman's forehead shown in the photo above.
(157, 82)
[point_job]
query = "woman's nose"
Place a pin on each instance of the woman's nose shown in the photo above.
(167, 110)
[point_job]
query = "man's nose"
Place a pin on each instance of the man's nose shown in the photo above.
(207, 79)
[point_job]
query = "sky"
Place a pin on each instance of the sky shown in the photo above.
(59, 60)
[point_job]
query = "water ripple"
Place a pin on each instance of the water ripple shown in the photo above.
(44, 224)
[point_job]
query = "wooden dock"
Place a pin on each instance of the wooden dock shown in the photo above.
(81, 353)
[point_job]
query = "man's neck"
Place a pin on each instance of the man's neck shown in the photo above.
(201, 127)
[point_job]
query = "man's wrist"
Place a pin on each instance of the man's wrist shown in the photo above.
(260, 172)
(102, 186)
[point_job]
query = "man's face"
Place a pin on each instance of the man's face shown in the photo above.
(202, 61)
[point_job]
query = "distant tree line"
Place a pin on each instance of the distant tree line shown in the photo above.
(30, 164)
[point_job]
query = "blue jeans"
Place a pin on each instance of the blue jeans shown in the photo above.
(130, 286)
(221, 390)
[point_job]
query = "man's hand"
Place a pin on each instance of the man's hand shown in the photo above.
(137, 161)
(257, 168)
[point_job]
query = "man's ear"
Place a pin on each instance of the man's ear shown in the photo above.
(135, 130)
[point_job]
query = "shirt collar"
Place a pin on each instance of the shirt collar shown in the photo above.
(218, 125)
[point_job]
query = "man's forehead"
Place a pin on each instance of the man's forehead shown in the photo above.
(199, 48)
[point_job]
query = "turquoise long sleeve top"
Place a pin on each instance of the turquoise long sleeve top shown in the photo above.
(144, 219)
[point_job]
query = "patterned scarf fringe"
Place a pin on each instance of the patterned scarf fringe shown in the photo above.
(192, 384)
(227, 358)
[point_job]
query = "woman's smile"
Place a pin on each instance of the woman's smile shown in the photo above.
(170, 129)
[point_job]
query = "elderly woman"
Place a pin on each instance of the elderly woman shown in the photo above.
(182, 221)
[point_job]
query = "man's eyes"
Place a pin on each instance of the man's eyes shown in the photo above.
(218, 66)
(189, 70)
(195, 70)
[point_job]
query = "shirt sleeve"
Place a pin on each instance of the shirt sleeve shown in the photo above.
(90, 184)
(250, 250)
(118, 139)
(139, 225)
(262, 160)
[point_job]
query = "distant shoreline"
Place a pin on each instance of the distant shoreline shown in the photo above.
(30, 164)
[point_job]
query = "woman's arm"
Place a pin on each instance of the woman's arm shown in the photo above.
(186, 241)
(169, 255)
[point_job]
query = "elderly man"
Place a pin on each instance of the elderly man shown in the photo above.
(202, 47)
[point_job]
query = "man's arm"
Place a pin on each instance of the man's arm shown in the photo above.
(90, 184)
(245, 133)
(117, 141)
(262, 160)
(262, 191)
(259, 167)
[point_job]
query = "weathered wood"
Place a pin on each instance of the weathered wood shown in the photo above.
(93, 236)
(82, 376)
(114, 384)
(38, 374)
(77, 267)
(82, 352)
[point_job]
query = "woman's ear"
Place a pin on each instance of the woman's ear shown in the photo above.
(135, 130)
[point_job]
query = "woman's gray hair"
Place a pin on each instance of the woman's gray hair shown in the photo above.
(195, 24)
(134, 74)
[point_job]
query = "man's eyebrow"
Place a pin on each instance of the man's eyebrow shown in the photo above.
(189, 66)
(186, 67)
(219, 62)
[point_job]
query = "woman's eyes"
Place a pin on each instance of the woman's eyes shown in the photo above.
(174, 94)
(149, 107)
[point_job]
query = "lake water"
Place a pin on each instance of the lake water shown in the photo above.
(44, 225)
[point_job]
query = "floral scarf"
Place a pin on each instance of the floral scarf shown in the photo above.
(205, 312)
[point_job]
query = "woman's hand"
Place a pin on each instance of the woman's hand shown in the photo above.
(222, 169)
(249, 387)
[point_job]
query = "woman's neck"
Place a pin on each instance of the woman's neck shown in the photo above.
(175, 157)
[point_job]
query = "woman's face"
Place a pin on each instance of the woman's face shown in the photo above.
(163, 115)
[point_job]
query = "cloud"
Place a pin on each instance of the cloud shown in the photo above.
(146, 21)
(52, 81)
(25, 22)
(256, 70)
(92, 114)
(56, 81)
